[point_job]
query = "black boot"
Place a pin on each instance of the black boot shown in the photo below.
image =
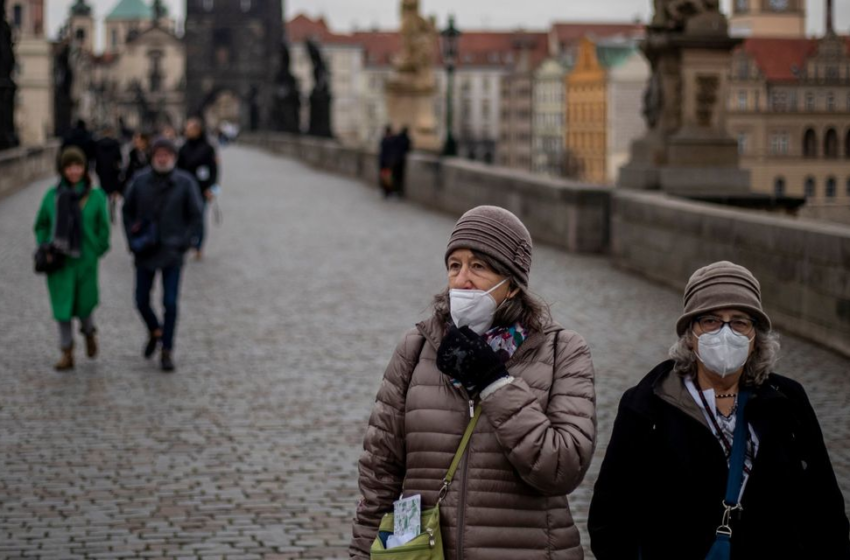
(153, 341)
(165, 360)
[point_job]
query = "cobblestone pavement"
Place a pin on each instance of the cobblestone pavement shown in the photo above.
(250, 449)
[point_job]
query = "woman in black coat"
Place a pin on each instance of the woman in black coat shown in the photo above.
(662, 483)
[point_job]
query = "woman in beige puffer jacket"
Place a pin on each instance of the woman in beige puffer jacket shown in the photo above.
(535, 438)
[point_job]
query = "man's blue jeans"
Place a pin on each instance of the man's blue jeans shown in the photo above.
(170, 294)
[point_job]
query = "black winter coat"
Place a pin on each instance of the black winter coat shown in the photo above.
(198, 159)
(108, 163)
(173, 201)
(661, 484)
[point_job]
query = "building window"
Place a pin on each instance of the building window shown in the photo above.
(742, 6)
(779, 187)
(743, 68)
(847, 145)
(743, 141)
(779, 143)
(810, 187)
(830, 188)
(810, 144)
(847, 189)
(830, 102)
(830, 144)
(810, 102)
(17, 16)
(742, 100)
(779, 101)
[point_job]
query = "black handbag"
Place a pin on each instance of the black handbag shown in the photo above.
(48, 259)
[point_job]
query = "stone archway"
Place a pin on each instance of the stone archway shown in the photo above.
(222, 106)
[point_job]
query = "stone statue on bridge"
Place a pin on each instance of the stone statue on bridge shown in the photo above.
(8, 138)
(415, 63)
(320, 98)
(286, 112)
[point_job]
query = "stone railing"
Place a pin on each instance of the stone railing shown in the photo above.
(21, 166)
(803, 266)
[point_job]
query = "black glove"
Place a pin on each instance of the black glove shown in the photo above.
(466, 357)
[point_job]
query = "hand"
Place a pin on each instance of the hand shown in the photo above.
(466, 357)
(209, 195)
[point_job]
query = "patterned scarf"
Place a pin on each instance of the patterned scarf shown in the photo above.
(505, 340)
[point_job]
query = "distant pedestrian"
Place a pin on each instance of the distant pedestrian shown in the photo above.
(80, 137)
(138, 158)
(198, 158)
(489, 363)
(402, 147)
(162, 210)
(712, 443)
(109, 162)
(74, 219)
(386, 161)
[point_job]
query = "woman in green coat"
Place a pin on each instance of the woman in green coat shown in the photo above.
(74, 218)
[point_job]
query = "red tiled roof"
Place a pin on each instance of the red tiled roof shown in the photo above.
(301, 27)
(567, 33)
(778, 58)
(379, 46)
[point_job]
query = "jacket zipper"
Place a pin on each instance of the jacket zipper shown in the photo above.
(461, 505)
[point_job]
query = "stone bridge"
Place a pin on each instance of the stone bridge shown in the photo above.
(250, 449)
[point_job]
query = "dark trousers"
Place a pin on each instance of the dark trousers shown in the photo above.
(170, 294)
(198, 237)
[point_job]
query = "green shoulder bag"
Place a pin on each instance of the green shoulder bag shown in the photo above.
(428, 545)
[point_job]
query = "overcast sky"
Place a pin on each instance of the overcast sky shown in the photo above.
(343, 15)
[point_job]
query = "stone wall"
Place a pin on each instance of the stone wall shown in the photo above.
(562, 213)
(21, 166)
(803, 265)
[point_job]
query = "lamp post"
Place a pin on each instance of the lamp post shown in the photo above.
(449, 39)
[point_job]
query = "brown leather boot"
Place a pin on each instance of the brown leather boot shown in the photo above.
(91, 344)
(66, 362)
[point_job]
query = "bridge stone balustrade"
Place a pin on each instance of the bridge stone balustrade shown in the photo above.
(21, 166)
(803, 265)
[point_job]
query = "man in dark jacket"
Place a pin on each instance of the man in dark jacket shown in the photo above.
(403, 146)
(198, 158)
(80, 137)
(164, 204)
(108, 164)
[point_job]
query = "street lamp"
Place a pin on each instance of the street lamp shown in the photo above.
(449, 39)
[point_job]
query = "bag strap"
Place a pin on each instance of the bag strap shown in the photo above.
(736, 465)
(464, 442)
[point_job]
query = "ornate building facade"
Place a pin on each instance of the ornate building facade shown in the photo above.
(33, 76)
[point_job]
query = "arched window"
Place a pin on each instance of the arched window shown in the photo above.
(830, 144)
(810, 187)
(830, 188)
(810, 144)
(779, 187)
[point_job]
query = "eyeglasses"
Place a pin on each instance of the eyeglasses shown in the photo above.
(712, 323)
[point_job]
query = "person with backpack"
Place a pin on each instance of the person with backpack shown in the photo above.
(162, 210)
(486, 414)
(73, 221)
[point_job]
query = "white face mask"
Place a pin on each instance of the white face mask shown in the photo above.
(473, 308)
(723, 352)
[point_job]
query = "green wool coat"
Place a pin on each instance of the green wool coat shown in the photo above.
(74, 288)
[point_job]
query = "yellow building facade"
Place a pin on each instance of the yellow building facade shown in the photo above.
(586, 133)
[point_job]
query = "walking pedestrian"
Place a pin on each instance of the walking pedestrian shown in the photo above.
(138, 158)
(198, 158)
(162, 209)
(711, 443)
(73, 218)
(108, 164)
(80, 137)
(489, 370)
(386, 161)
(402, 147)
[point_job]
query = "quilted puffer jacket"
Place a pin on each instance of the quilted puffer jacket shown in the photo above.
(531, 447)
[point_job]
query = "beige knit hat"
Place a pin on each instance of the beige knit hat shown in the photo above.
(498, 234)
(718, 286)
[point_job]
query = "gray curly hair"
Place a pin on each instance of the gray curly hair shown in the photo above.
(760, 363)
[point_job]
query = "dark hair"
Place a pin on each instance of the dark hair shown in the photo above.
(527, 309)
